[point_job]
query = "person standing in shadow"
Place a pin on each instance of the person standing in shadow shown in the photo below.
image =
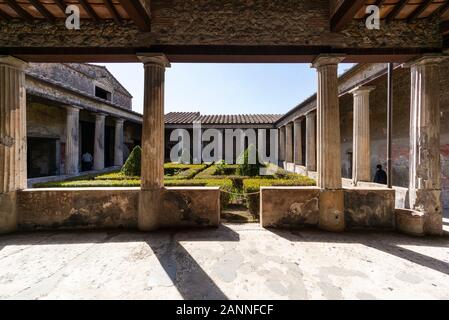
(381, 175)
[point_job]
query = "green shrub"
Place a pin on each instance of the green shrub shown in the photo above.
(185, 173)
(132, 165)
(245, 168)
(115, 176)
(251, 189)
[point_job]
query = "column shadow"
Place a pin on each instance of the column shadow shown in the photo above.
(391, 246)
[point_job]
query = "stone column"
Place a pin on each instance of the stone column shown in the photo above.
(99, 141)
(425, 167)
(311, 141)
(282, 143)
(13, 144)
(297, 142)
(329, 145)
(361, 166)
(118, 142)
(288, 142)
(72, 140)
(152, 141)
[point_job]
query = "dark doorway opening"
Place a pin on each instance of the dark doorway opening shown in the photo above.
(109, 142)
(42, 157)
(87, 137)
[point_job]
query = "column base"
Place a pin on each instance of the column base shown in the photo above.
(429, 203)
(8, 212)
(150, 204)
(332, 216)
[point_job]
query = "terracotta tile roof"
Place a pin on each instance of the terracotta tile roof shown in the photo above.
(190, 117)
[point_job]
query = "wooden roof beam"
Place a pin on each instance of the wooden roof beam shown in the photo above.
(4, 15)
(442, 9)
(139, 11)
(19, 10)
(396, 10)
(420, 9)
(345, 13)
(42, 10)
(61, 5)
(90, 11)
(110, 6)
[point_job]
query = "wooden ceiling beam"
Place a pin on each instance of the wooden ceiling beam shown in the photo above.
(61, 5)
(345, 13)
(110, 6)
(396, 10)
(442, 9)
(19, 10)
(4, 15)
(420, 9)
(90, 11)
(42, 10)
(138, 13)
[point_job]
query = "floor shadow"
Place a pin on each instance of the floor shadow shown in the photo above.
(376, 240)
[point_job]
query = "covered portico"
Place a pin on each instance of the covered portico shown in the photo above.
(336, 37)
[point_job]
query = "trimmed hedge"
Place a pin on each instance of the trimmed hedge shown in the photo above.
(251, 189)
(186, 174)
(132, 164)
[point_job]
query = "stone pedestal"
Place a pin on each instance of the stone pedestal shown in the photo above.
(425, 167)
(297, 138)
(13, 144)
(99, 141)
(152, 142)
(311, 141)
(118, 143)
(282, 143)
(329, 145)
(361, 167)
(289, 143)
(72, 141)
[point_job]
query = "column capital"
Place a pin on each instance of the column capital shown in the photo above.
(13, 62)
(119, 120)
(298, 120)
(362, 90)
(100, 115)
(72, 108)
(327, 59)
(158, 59)
(289, 124)
(311, 113)
(427, 59)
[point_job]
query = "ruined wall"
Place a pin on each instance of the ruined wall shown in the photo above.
(401, 127)
(44, 121)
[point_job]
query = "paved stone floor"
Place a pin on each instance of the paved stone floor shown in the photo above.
(231, 262)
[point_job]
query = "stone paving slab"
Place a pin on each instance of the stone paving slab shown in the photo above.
(231, 262)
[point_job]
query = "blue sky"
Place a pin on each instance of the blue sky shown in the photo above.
(225, 88)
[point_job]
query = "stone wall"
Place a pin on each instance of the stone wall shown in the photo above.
(95, 208)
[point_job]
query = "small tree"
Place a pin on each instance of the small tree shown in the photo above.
(132, 165)
(246, 168)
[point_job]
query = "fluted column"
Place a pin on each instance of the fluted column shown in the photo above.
(425, 166)
(72, 141)
(118, 142)
(152, 141)
(311, 141)
(361, 167)
(297, 140)
(99, 141)
(288, 143)
(282, 143)
(13, 144)
(329, 145)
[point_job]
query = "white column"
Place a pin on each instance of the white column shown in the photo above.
(13, 144)
(298, 142)
(99, 141)
(288, 142)
(361, 167)
(72, 141)
(118, 142)
(311, 141)
(329, 145)
(425, 166)
(152, 142)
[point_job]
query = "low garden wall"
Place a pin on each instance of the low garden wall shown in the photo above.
(290, 207)
(104, 208)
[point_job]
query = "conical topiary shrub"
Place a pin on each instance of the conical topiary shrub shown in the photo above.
(131, 167)
(245, 168)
